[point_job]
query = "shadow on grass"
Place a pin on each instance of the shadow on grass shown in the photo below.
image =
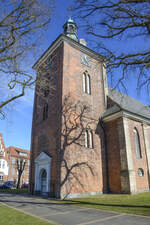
(73, 202)
(68, 202)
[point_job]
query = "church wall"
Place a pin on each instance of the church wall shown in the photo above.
(45, 133)
(142, 182)
(87, 177)
(123, 164)
(72, 80)
(113, 152)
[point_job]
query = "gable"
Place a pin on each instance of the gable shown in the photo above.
(43, 157)
(60, 39)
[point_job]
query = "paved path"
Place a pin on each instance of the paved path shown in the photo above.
(69, 215)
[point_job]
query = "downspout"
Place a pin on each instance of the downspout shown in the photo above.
(106, 154)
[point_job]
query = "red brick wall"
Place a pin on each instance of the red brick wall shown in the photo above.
(9, 154)
(142, 182)
(113, 152)
(69, 81)
(13, 157)
(48, 129)
(87, 178)
(113, 149)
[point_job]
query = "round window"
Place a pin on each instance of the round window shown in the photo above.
(140, 172)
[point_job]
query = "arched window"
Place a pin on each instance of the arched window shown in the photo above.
(140, 172)
(88, 79)
(86, 83)
(88, 138)
(45, 111)
(137, 144)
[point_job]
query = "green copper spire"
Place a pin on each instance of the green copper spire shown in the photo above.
(70, 29)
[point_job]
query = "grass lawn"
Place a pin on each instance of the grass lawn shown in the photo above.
(135, 204)
(9, 216)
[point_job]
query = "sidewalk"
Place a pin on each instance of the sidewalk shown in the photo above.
(63, 214)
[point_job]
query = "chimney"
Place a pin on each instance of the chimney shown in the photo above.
(82, 42)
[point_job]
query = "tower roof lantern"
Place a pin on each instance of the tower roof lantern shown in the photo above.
(70, 29)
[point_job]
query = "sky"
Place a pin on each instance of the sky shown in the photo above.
(16, 127)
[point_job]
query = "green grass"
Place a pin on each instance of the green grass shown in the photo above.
(9, 216)
(15, 191)
(135, 204)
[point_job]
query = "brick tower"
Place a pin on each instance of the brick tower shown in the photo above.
(67, 149)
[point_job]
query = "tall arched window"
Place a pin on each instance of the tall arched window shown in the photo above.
(88, 79)
(88, 138)
(137, 144)
(86, 83)
(45, 111)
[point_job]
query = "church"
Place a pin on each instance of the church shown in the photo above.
(86, 138)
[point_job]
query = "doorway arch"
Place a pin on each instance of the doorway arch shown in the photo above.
(42, 173)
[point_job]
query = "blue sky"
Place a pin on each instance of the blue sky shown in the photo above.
(16, 128)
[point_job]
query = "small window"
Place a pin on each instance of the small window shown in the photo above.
(3, 164)
(45, 112)
(88, 138)
(140, 172)
(137, 144)
(23, 154)
(1, 177)
(13, 171)
(86, 83)
(13, 161)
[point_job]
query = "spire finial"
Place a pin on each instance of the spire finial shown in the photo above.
(69, 12)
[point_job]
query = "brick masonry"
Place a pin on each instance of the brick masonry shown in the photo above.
(111, 165)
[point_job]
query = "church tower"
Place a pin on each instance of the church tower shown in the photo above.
(67, 151)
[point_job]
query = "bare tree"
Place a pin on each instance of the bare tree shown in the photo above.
(20, 166)
(21, 26)
(120, 20)
(74, 123)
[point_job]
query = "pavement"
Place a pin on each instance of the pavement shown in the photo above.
(66, 214)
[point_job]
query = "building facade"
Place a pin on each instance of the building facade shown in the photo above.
(4, 167)
(84, 140)
(18, 156)
(8, 163)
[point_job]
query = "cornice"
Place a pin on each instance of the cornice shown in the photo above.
(128, 115)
